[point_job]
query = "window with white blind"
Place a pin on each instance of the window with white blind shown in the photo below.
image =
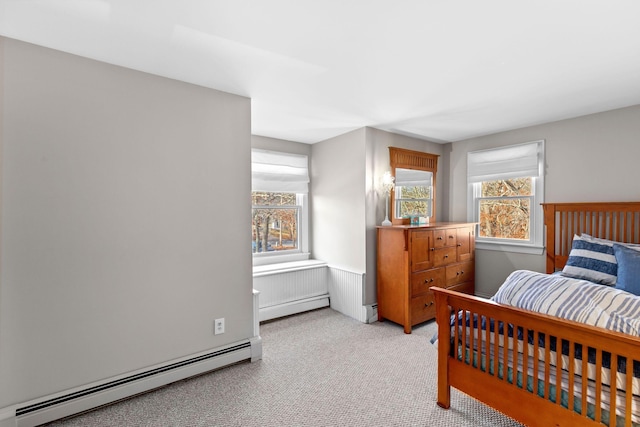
(279, 194)
(506, 188)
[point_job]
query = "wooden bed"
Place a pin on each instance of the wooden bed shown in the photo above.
(539, 403)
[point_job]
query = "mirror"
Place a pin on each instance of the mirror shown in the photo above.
(412, 193)
(415, 180)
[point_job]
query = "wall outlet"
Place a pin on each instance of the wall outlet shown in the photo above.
(218, 326)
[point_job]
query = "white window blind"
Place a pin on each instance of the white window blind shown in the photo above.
(411, 178)
(273, 171)
(514, 161)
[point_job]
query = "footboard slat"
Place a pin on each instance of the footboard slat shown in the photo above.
(547, 355)
(629, 396)
(598, 403)
(614, 386)
(585, 370)
(532, 381)
(572, 372)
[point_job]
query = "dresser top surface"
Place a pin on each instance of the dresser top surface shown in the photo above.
(429, 225)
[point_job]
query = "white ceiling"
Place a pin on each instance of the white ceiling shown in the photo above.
(434, 69)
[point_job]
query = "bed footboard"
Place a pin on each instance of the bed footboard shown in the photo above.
(530, 366)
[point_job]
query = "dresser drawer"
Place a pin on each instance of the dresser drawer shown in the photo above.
(445, 237)
(421, 282)
(461, 272)
(423, 308)
(444, 256)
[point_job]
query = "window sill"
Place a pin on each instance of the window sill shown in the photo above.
(510, 247)
(266, 270)
(272, 258)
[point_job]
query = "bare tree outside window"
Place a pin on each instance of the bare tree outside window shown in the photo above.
(275, 219)
(505, 208)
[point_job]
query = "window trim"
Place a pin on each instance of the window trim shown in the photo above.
(535, 244)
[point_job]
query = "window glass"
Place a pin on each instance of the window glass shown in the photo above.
(275, 222)
(505, 208)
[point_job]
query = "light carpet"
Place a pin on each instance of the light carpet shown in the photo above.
(319, 368)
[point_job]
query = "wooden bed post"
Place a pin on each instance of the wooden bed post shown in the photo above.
(444, 344)
(550, 223)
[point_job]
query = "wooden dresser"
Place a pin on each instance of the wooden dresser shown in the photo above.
(411, 259)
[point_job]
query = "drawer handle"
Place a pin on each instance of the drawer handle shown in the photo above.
(446, 256)
(451, 237)
(428, 281)
(433, 249)
(458, 273)
(428, 304)
(459, 244)
(439, 238)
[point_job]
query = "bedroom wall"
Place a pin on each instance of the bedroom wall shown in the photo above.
(266, 143)
(338, 173)
(120, 243)
(589, 158)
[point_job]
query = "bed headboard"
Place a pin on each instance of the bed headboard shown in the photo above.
(617, 221)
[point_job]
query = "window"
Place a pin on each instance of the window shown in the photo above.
(279, 197)
(506, 188)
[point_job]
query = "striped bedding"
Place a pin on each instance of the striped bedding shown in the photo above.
(571, 299)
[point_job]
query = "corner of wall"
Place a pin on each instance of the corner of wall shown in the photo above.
(445, 196)
(4, 421)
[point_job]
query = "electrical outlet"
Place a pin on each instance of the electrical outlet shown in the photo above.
(218, 326)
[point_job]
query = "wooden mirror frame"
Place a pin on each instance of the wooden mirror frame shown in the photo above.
(409, 159)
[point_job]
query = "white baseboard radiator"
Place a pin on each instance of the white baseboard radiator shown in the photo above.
(291, 288)
(94, 395)
(90, 396)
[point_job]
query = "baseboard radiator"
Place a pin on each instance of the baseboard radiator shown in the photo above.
(291, 288)
(347, 290)
(92, 396)
(97, 394)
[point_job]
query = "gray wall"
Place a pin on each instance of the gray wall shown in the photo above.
(338, 173)
(589, 158)
(120, 239)
(274, 144)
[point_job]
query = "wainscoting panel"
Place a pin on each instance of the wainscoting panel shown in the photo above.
(291, 288)
(347, 293)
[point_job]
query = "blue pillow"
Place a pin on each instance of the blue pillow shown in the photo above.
(628, 269)
(592, 261)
